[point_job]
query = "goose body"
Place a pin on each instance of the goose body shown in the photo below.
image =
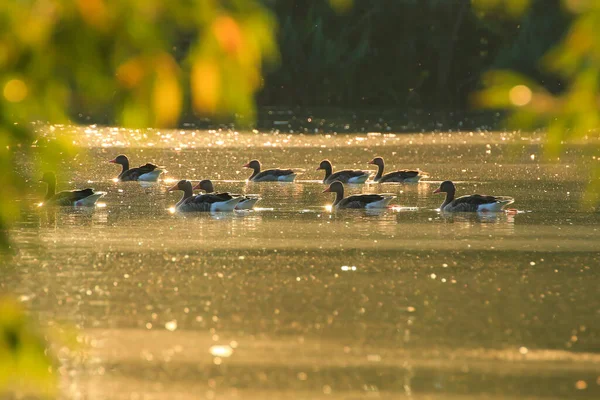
(345, 176)
(359, 200)
(147, 173)
(470, 203)
(201, 202)
(402, 176)
(246, 202)
(83, 197)
(269, 175)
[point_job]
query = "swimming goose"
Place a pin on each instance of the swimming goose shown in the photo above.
(148, 172)
(201, 202)
(470, 203)
(247, 202)
(84, 197)
(358, 200)
(344, 176)
(403, 175)
(269, 175)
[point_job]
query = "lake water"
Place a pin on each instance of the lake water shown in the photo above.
(295, 301)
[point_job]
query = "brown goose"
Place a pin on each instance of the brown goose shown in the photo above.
(344, 176)
(470, 203)
(403, 175)
(148, 172)
(201, 202)
(359, 200)
(246, 202)
(84, 197)
(269, 175)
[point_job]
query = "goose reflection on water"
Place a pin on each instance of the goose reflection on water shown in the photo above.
(59, 217)
(501, 221)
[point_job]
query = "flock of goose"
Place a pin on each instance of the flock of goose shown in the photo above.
(214, 201)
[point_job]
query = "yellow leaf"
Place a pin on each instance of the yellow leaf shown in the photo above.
(228, 34)
(94, 13)
(166, 92)
(206, 84)
(131, 73)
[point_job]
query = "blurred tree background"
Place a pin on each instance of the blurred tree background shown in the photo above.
(418, 54)
(427, 54)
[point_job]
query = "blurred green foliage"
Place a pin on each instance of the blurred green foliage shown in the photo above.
(26, 368)
(135, 60)
(570, 115)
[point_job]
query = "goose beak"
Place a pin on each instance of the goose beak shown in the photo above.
(437, 191)
(246, 165)
(172, 188)
(327, 190)
(114, 161)
(318, 169)
(371, 162)
(196, 187)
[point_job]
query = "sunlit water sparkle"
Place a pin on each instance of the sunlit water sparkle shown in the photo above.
(404, 302)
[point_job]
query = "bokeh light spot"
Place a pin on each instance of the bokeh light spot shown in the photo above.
(15, 90)
(520, 95)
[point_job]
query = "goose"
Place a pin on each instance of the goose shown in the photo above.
(470, 203)
(359, 200)
(246, 202)
(201, 202)
(84, 197)
(147, 173)
(344, 176)
(269, 175)
(403, 175)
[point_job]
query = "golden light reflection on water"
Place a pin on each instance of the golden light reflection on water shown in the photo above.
(221, 351)
(105, 137)
(396, 302)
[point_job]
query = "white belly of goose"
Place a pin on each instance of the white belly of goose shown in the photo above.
(247, 203)
(496, 206)
(286, 178)
(89, 201)
(228, 205)
(151, 176)
(383, 203)
(359, 179)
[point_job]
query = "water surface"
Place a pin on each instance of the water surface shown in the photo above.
(293, 300)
